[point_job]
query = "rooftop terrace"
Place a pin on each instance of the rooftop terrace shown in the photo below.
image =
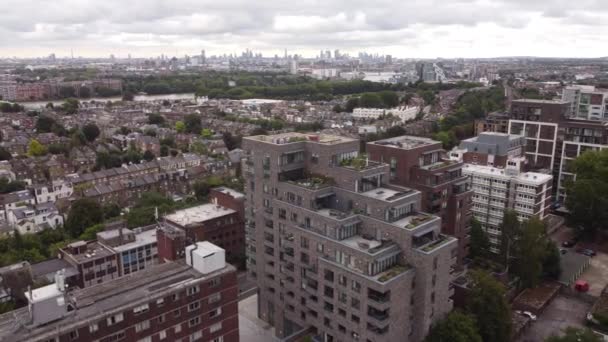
(388, 195)
(406, 142)
(293, 137)
(198, 214)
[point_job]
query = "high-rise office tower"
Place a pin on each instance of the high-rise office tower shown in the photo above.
(335, 248)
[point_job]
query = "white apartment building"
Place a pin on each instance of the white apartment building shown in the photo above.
(586, 102)
(496, 190)
(403, 113)
(34, 218)
(51, 193)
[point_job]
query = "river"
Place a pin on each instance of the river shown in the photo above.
(142, 98)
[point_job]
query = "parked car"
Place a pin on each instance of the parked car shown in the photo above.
(527, 314)
(586, 251)
(563, 251)
(569, 243)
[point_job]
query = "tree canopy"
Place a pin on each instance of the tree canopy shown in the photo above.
(36, 149)
(91, 131)
(587, 195)
(572, 334)
(490, 308)
(455, 327)
(480, 243)
(83, 213)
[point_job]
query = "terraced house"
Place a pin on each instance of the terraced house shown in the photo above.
(337, 251)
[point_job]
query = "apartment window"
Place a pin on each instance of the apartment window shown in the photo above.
(176, 313)
(194, 306)
(214, 282)
(141, 326)
(115, 319)
(355, 303)
(177, 329)
(145, 339)
(194, 321)
(356, 286)
(162, 335)
(355, 318)
(175, 297)
(160, 319)
(304, 240)
(218, 339)
(93, 327)
(73, 335)
(193, 290)
(215, 313)
(214, 298)
(160, 302)
(141, 309)
(342, 280)
(215, 327)
(197, 335)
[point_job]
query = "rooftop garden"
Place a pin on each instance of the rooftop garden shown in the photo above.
(358, 163)
(392, 273)
(418, 220)
(314, 181)
(442, 239)
(439, 164)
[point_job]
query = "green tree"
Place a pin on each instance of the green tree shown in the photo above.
(90, 233)
(7, 186)
(156, 119)
(572, 334)
(351, 104)
(180, 127)
(490, 308)
(455, 327)
(530, 252)
(480, 243)
(35, 149)
(193, 123)
(206, 133)
(83, 213)
(128, 96)
(511, 230)
(4, 154)
(551, 263)
(447, 138)
(148, 155)
(587, 195)
(389, 98)
(91, 131)
(370, 100)
(70, 106)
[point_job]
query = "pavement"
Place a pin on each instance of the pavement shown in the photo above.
(561, 313)
(251, 328)
(596, 274)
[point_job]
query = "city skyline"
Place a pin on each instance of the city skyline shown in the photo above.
(458, 28)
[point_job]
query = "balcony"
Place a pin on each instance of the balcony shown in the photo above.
(378, 297)
(313, 182)
(359, 163)
(439, 165)
(392, 273)
(376, 330)
(414, 219)
(378, 315)
(437, 243)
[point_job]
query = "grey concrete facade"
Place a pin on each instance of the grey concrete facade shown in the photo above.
(336, 249)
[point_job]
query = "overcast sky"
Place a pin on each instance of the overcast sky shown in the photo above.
(403, 28)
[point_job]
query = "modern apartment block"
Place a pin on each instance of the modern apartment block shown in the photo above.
(490, 148)
(553, 137)
(493, 122)
(586, 102)
(176, 301)
(422, 164)
(498, 189)
(335, 249)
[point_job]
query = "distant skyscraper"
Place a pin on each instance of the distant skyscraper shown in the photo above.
(203, 57)
(336, 54)
(389, 59)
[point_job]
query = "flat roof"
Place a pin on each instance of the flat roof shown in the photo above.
(147, 237)
(386, 194)
(95, 250)
(541, 101)
(230, 192)
(106, 299)
(198, 214)
(526, 177)
(293, 137)
(406, 142)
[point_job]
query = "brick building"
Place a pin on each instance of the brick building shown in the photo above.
(211, 222)
(422, 164)
(177, 301)
(335, 249)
